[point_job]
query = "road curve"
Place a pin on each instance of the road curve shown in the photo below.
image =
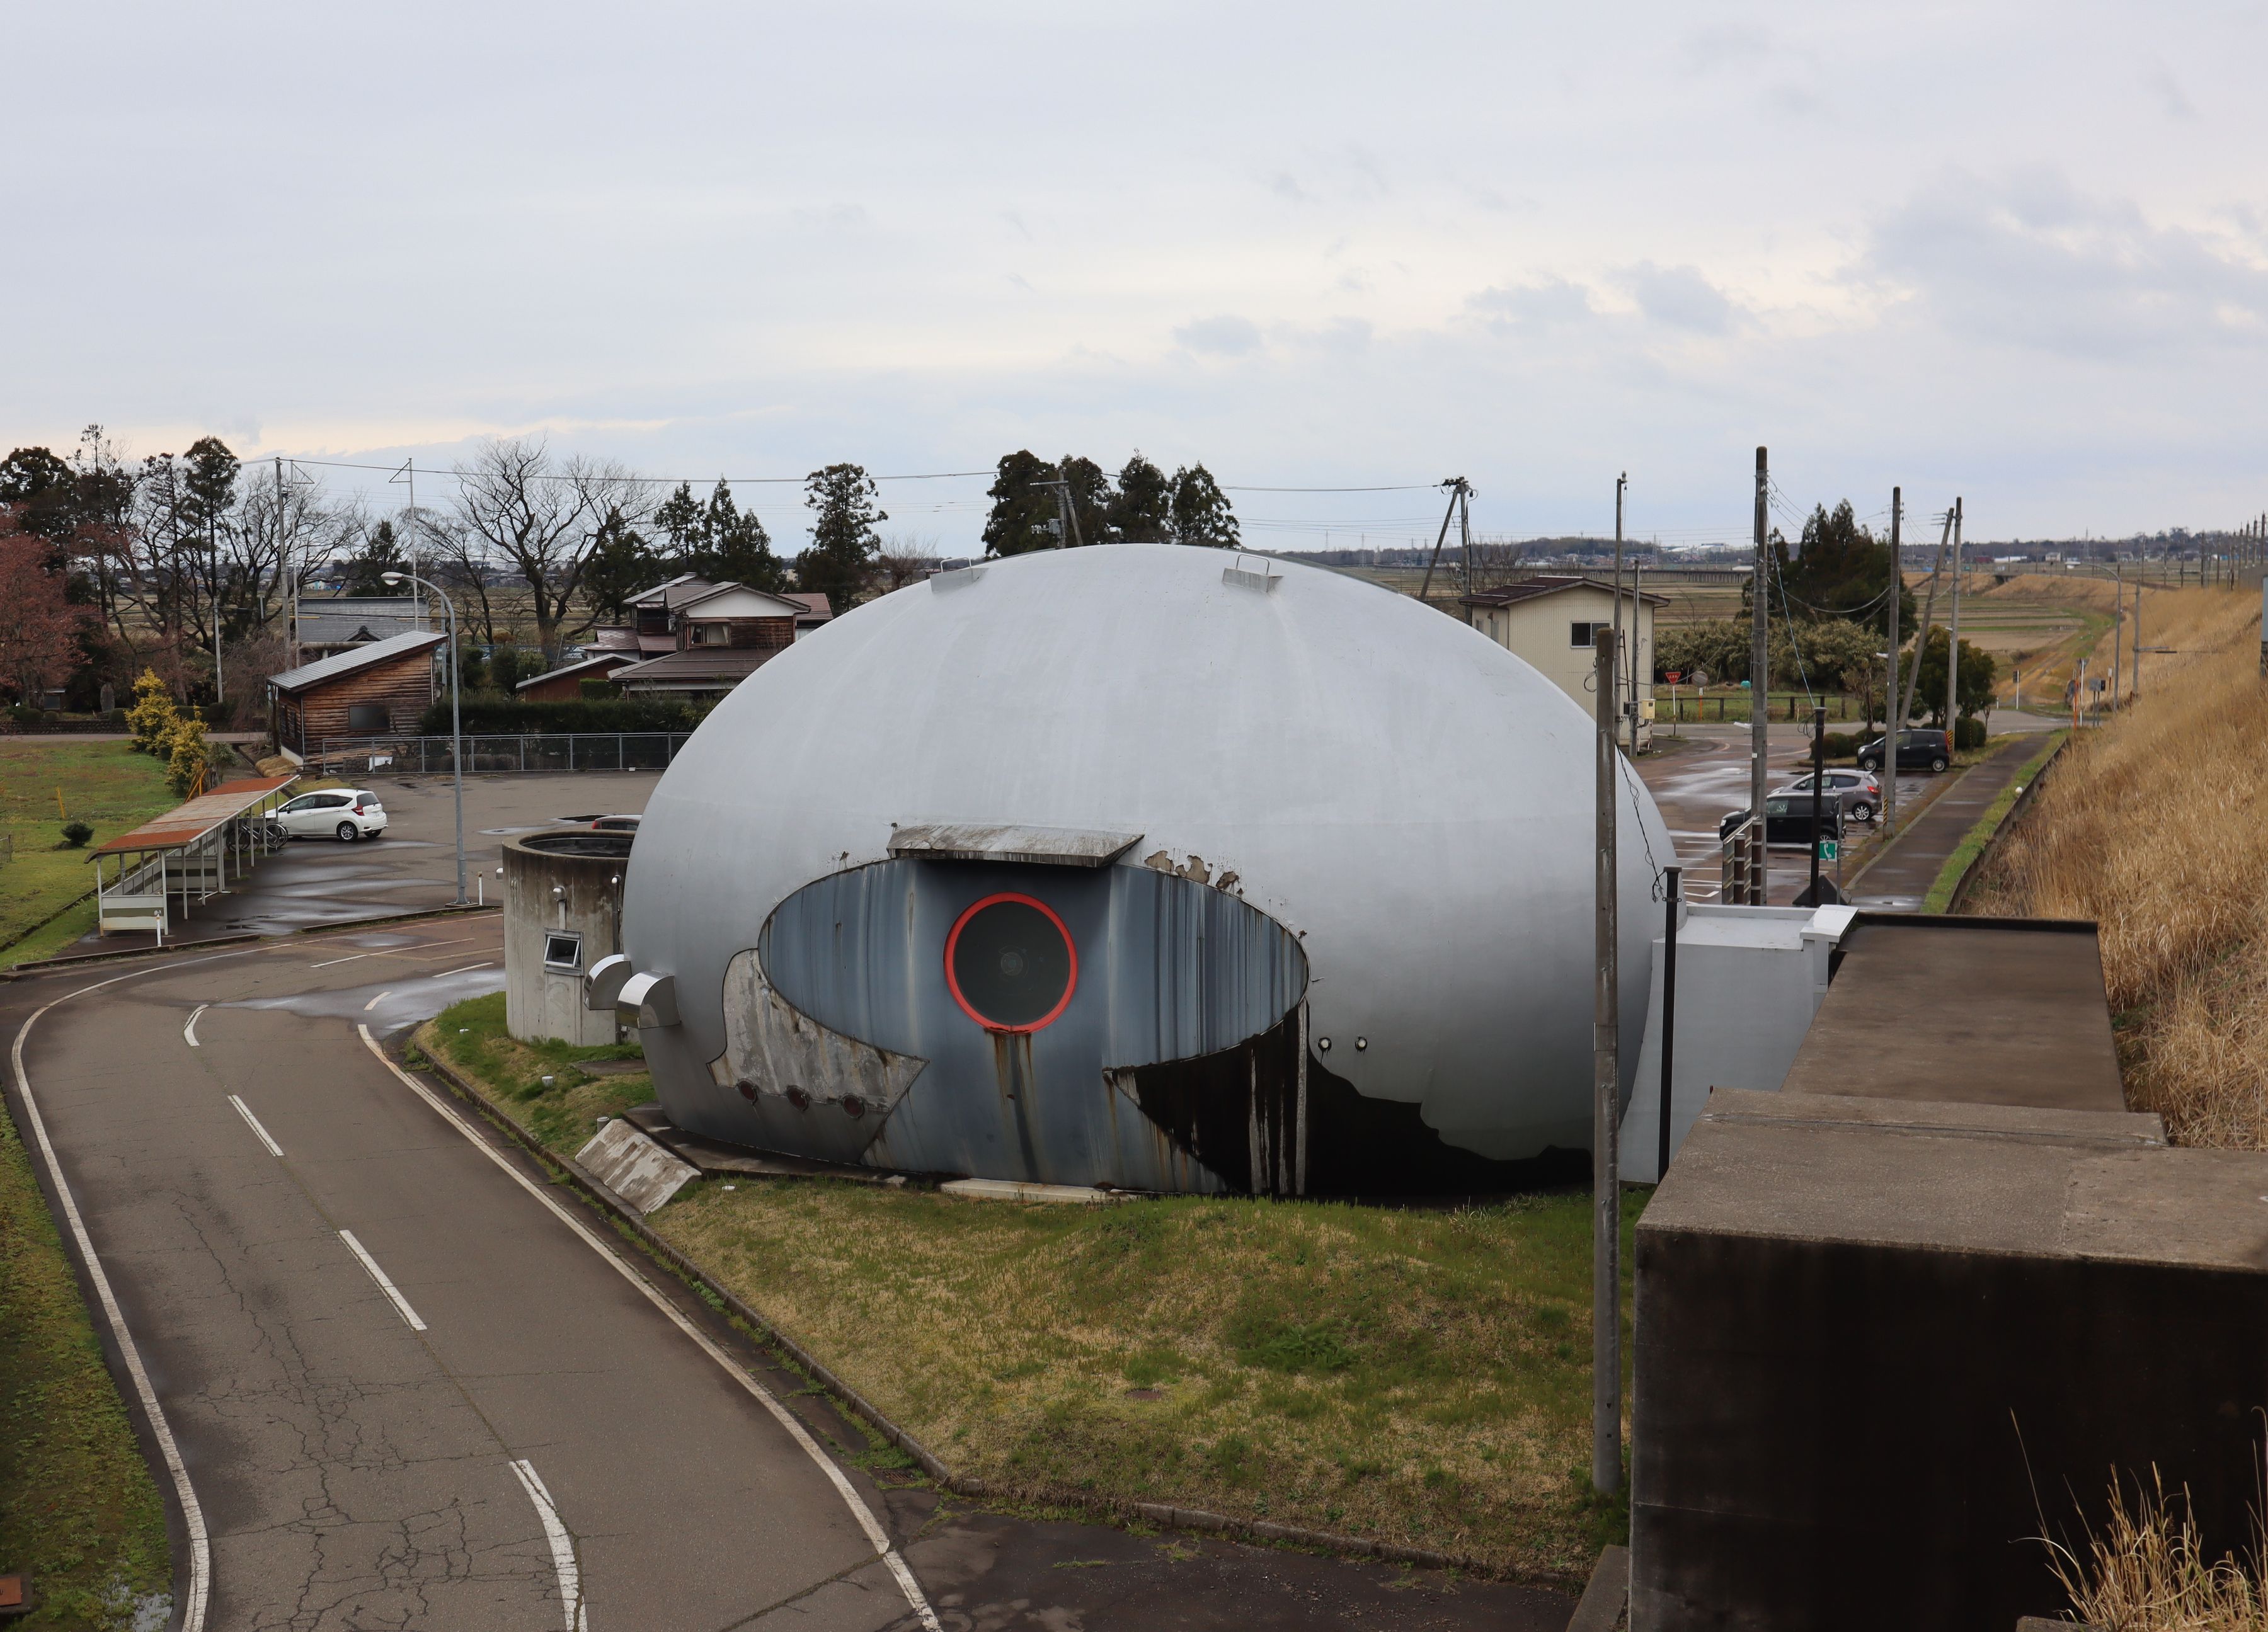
(400, 1384)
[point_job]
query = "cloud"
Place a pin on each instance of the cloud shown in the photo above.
(1680, 297)
(2029, 260)
(1554, 303)
(2169, 93)
(1222, 336)
(1724, 45)
(1286, 187)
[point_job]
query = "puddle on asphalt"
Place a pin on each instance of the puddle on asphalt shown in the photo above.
(404, 1003)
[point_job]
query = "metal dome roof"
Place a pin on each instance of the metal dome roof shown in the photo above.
(1409, 799)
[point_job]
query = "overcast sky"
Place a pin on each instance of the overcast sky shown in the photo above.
(2015, 252)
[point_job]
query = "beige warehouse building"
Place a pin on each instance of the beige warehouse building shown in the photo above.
(1548, 624)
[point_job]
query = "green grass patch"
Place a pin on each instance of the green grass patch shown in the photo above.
(78, 1508)
(1421, 1377)
(104, 784)
(1979, 835)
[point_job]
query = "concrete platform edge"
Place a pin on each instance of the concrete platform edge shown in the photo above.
(1169, 1518)
(1606, 1601)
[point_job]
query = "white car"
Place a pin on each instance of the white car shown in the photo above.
(343, 814)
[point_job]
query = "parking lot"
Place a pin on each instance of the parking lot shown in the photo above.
(414, 866)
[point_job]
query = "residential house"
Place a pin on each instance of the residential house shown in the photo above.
(1549, 621)
(717, 636)
(322, 625)
(564, 684)
(375, 689)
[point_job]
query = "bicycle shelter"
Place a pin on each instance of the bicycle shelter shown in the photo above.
(191, 852)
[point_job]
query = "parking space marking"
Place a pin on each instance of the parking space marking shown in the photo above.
(400, 1303)
(563, 1546)
(358, 957)
(244, 1111)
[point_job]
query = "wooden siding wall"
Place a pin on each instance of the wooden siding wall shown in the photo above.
(738, 631)
(403, 685)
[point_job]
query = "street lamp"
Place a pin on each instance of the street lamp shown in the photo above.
(456, 728)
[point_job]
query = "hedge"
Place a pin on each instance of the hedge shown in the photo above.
(496, 716)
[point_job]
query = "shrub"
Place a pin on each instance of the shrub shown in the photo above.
(1841, 745)
(153, 715)
(1968, 732)
(491, 714)
(600, 688)
(76, 834)
(190, 757)
(26, 714)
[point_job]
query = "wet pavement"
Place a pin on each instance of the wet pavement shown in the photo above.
(412, 868)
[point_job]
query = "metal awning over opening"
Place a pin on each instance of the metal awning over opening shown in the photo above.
(191, 851)
(1061, 847)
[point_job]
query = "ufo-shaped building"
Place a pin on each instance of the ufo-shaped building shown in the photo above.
(1137, 866)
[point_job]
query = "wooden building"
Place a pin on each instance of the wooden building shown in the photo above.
(564, 684)
(719, 634)
(377, 689)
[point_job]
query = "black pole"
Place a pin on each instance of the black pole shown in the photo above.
(1675, 875)
(1818, 789)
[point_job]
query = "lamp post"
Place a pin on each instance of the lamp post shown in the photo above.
(456, 727)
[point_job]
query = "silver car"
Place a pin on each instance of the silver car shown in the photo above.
(1861, 793)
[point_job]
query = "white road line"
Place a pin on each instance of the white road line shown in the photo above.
(468, 969)
(563, 1547)
(191, 1029)
(400, 1303)
(374, 1001)
(875, 1534)
(244, 1111)
(358, 957)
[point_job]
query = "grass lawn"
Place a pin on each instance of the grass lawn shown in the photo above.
(1418, 1377)
(106, 785)
(78, 1509)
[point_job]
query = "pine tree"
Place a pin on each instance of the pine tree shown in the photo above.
(1202, 512)
(1142, 510)
(843, 541)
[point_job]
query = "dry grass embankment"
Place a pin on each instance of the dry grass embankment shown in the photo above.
(1421, 1377)
(2153, 826)
(2147, 1571)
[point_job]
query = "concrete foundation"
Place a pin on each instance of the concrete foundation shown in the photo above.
(1886, 1342)
(562, 913)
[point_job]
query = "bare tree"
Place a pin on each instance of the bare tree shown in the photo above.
(904, 559)
(535, 516)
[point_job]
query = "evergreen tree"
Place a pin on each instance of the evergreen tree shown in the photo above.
(1142, 509)
(1023, 512)
(1091, 498)
(1840, 571)
(380, 553)
(680, 518)
(1202, 512)
(42, 490)
(736, 549)
(843, 542)
(621, 564)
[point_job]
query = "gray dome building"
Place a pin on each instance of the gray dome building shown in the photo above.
(1137, 866)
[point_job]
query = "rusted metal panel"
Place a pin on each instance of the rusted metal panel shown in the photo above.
(1064, 847)
(186, 824)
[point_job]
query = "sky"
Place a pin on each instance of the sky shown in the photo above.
(2016, 252)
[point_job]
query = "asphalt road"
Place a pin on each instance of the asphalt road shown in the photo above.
(505, 1431)
(410, 1383)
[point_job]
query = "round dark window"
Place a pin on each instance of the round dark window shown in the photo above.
(1011, 963)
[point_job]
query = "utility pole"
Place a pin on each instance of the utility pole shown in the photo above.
(1953, 639)
(1641, 674)
(1606, 1086)
(1621, 482)
(1921, 641)
(1759, 658)
(1458, 488)
(2136, 690)
(1891, 686)
(2117, 629)
(1465, 529)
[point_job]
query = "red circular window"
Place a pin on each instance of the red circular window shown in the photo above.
(1010, 963)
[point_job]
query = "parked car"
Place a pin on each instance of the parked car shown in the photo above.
(343, 814)
(613, 824)
(1787, 820)
(1859, 792)
(1917, 750)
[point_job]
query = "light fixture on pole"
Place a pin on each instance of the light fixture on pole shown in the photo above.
(456, 725)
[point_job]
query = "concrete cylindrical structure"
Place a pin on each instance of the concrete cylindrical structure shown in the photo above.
(563, 896)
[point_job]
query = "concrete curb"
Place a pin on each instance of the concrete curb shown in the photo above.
(52, 966)
(1167, 1517)
(2008, 820)
(1606, 1601)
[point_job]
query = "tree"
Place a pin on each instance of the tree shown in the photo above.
(1841, 570)
(1024, 513)
(1202, 512)
(379, 554)
(1978, 671)
(738, 550)
(843, 543)
(622, 564)
(1142, 510)
(1718, 648)
(519, 507)
(42, 491)
(904, 560)
(39, 627)
(153, 714)
(1091, 498)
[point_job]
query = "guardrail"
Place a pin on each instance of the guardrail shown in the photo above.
(491, 754)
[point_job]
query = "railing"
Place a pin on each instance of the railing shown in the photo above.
(1746, 872)
(529, 751)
